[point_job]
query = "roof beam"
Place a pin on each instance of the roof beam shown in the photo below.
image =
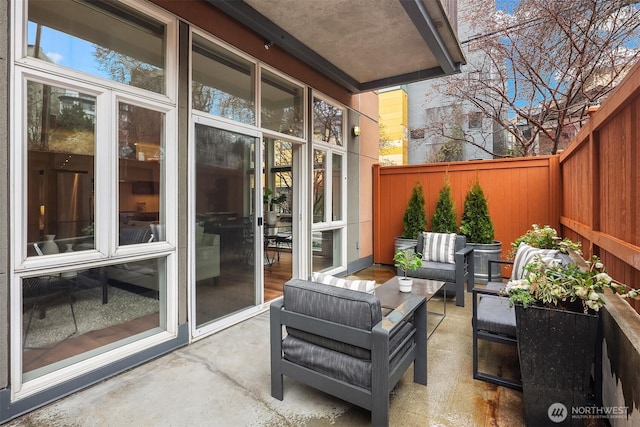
(427, 29)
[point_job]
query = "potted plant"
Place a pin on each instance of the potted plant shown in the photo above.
(272, 201)
(477, 226)
(406, 260)
(414, 220)
(544, 238)
(557, 310)
(444, 216)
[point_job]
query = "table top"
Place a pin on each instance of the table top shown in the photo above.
(390, 296)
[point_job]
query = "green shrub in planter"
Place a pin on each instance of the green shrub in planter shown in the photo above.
(444, 217)
(415, 218)
(476, 223)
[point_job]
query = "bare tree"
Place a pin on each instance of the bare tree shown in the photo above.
(544, 63)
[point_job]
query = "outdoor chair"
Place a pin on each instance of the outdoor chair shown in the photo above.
(455, 274)
(493, 319)
(338, 342)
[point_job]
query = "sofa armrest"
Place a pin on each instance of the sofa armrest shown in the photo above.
(464, 272)
(401, 314)
(414, 308)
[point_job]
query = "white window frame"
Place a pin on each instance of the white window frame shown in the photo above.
(328, 223)
(107, 92)
(305, 110)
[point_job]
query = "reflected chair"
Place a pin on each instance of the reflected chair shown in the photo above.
(44, 291)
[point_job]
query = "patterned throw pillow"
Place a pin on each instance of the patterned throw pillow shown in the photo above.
(525, 254)
(439, 247)
(355, 285)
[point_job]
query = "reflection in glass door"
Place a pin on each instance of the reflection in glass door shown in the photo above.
(279, 198)
(225, 228)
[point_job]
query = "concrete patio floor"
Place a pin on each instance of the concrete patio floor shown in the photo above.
(224, 380)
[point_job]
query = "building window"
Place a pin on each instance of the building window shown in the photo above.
(60, 129)
(103, 39)
(329, 187)
(282, 105)
(222, 82)
(140, 174)
(90, 161)
(328, 123)
(475, 120)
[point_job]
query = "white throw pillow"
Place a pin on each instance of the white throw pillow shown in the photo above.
(355, 285)
(439, 247)
(525, 254)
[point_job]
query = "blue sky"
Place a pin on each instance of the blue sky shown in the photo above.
(66, 50)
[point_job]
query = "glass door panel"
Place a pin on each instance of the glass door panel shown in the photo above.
(279, 198)
(225, 227)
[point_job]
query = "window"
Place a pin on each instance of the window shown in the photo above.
(329, 187)
(103, 39)
(282, 105)
(140, 174)
(475, 120)
(60, 128)
(328, 123)
(222, 82)
(89, 192)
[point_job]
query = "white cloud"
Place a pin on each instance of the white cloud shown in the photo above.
(54, 57)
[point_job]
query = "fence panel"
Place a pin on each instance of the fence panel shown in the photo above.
(520, 192)
(600, 184)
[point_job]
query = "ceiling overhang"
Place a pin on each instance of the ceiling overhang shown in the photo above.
(360, 44)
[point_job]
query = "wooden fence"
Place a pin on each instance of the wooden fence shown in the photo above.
(520, 192)
(589, 192)
(600, 177)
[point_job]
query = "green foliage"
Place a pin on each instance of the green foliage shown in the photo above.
(544, 238)
(268, 198)
(556, 286)
(407, 259)
(476, 223)
(73, 118)
(444, 217)
(415, 218)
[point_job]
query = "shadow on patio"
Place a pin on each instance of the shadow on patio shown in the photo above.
(224, 380)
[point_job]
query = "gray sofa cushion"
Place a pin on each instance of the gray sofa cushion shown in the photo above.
(352, 308)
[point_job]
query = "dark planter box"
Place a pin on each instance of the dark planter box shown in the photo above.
(556, 349)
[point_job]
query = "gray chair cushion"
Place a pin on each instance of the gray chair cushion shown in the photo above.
(344, 306)
(495, 315)
(341, 366)
(134, 235)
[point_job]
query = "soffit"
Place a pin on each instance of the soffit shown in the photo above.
(361, 44)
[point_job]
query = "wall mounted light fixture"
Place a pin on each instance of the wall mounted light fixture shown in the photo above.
(268, 44)
(355, 131)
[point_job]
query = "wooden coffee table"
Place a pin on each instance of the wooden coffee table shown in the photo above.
(390, 296)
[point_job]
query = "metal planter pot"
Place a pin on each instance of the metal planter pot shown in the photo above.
(482, 253)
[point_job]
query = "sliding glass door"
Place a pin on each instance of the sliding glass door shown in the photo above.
(226, 239)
